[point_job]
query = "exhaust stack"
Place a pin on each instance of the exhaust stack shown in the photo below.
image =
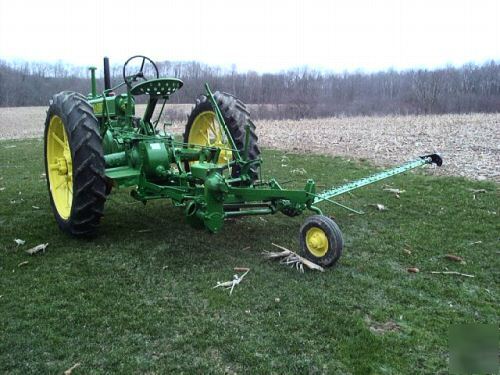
(107, 78)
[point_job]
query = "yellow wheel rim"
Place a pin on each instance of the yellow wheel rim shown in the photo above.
(59, 167)
(205, 131)
(317, 241)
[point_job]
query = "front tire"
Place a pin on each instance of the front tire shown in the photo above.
(74, 164)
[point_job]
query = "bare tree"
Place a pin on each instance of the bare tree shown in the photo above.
(296, 93)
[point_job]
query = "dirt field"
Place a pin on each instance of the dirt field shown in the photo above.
(469, 144)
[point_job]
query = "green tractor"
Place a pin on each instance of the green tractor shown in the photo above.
(96, 143)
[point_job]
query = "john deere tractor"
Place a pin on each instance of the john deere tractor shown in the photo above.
(96, 143)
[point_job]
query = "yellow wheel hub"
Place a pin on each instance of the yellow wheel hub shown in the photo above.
(60, 167)
(317, 241)
(205, 131)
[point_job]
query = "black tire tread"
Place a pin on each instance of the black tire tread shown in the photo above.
(89, 182)
(335, 240)
(236, 116)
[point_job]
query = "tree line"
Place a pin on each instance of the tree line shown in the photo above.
(296, 93)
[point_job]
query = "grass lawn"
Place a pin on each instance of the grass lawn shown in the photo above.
(138, 298)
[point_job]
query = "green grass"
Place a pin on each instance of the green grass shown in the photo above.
(139, 298)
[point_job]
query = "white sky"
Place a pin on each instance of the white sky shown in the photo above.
(261, 35)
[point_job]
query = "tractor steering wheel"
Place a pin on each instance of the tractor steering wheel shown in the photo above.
(130, 78)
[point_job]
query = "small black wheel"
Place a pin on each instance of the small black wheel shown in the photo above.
(74, 164)
(321, 240)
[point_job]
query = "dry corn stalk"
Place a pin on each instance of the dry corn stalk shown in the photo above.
(37, 249)
(299, 171)
(452, 273)
(454, 258)
(379, 207)
(70, 370)
(287, 256)
(396, 192)
(477, 191)
(235, 281)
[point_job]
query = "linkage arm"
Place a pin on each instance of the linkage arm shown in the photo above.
(222, 123)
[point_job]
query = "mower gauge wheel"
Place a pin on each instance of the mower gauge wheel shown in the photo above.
(145, 62)
(321, 240)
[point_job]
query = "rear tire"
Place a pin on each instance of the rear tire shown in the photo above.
(236, 116)
(80, 212)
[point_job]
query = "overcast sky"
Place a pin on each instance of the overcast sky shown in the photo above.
(266, 36)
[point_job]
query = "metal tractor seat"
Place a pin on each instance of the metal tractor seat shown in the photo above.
(159, 87)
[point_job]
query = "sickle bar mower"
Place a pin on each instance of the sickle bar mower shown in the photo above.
(95, 143)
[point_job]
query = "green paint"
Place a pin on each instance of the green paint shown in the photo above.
(155, 165)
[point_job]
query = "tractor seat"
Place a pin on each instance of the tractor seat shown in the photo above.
(159, 87)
